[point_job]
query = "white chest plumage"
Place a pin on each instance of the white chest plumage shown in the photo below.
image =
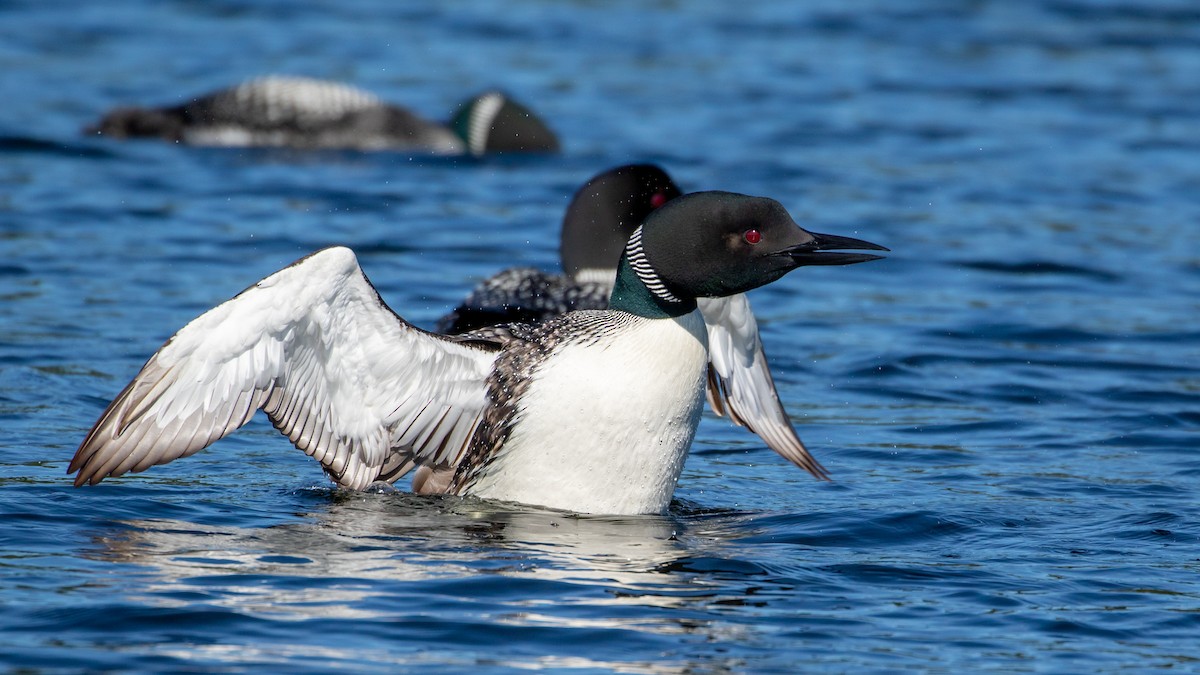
(605, 426)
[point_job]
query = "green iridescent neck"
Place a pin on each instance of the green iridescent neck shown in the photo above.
(631, 295)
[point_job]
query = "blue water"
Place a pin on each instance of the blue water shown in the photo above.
(1009, 404)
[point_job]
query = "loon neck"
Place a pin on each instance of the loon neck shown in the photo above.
(630, 294)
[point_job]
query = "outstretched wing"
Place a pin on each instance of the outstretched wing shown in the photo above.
(350, 383)
(740, 383)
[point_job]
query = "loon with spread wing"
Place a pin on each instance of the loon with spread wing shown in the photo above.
(592, 412)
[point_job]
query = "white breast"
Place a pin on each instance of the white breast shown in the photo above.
(605, 427)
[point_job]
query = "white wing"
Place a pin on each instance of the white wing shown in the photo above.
(740, 383)
(313, 345)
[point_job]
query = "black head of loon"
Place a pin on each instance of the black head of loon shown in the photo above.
(717, 244)
(494, 123)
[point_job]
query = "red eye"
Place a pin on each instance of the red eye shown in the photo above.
(657, 199)
(752, 236)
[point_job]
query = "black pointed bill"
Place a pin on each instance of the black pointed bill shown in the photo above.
(824, 249)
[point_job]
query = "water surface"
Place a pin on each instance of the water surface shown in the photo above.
(1009, 404)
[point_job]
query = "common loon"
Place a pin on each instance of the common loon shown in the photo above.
(300, 112)
(598, 223)
(591, 412)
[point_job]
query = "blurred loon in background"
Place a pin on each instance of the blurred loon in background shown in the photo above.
(305, 113)
(597, 224)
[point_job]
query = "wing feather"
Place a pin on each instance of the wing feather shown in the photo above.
(740, 385)
(336, 371)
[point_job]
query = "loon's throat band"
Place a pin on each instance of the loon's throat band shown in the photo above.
(641, 266)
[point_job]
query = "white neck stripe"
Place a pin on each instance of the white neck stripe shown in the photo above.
(480, 124)
(643, 269)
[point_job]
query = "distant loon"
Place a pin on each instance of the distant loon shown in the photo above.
(299, 112)
(592, 412)
(598, 221)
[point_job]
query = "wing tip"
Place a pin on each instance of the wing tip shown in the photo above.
(819, 472)
(801, 457)
(80, 461)
(86, 472)
(85, 476)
